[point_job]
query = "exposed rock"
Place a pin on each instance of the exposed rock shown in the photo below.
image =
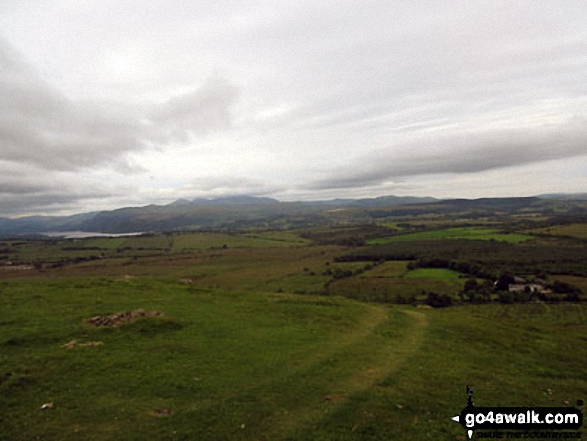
(122, 317)
(73, 343)
(160, 412)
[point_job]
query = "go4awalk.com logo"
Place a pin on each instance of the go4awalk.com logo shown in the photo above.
(520, 422)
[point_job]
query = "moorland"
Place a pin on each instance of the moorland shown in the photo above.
(347, 322)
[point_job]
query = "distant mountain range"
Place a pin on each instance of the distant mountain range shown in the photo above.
(237, 212)
(229, 212)
(565, 196)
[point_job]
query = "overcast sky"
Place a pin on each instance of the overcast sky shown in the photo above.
(113, 103)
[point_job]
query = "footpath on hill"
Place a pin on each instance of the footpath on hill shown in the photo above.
(367, 356)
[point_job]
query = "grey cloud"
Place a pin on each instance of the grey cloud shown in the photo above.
(231, 185)
(19, 188)
(462, 154)
(196, 113)
(351, 61)
(40, 203)
(31, 190)
(40, 127)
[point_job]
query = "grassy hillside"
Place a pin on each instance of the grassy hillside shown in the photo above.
(223, 365)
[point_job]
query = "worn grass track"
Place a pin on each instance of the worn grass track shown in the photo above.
(373, 368)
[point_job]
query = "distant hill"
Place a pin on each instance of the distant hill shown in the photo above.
(229, 212)
(240, 212)
(198, 215)
(565, 196)
(40, 224)
(495, 204)
(376, 202)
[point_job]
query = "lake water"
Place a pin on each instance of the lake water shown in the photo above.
(84, 234)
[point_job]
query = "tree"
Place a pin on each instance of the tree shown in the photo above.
(438, 300)
(471, 285)
(504, 281)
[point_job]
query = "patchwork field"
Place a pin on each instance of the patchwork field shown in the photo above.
(179, 337)
(472, 233)
(143, 245)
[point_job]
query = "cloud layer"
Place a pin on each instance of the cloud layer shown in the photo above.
(41, 127)
(107, 103)
(466, 153)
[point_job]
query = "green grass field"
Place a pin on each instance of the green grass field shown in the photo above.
(396, 268)
(392, 282)
(219, 240)
(472, 233)
(223, 365)
(405, 287)
(433, 273)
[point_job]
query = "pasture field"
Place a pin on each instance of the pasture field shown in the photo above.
(106, 243)
(433, 273)
(392, 282)
(43, 251)
(149, 242)
(395, 289)
(472, 233)
(442, 222)
(48, 251)
(573, 230)
(391, 225)
(579, 282)
(396, 268)
(243, 365)
(192, 241)
(280, 236)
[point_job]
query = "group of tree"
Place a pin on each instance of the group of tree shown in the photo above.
(481, 258)
(487, 291)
